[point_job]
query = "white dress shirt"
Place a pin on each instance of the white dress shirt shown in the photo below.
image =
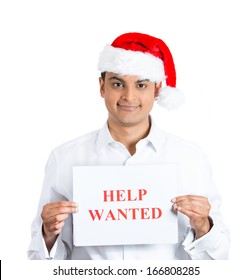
(159, 147)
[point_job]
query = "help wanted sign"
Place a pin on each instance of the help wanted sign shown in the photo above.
(125, 205)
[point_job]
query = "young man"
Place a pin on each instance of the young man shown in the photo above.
(133, 69)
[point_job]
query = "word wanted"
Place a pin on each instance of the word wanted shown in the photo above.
(127, 213)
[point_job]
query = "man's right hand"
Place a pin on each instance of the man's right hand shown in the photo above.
(53, 216)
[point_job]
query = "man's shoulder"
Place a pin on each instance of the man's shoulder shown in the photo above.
(84, 140)
(182, 144)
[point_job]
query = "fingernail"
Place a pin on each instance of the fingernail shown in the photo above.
(175, 206)
(76, 210)
(173, 200)
(179, 208)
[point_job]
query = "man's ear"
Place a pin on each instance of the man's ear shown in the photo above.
(157, 89)
(102, 87)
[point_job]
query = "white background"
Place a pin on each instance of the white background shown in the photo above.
(49, 94)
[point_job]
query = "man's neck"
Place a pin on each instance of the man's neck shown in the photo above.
(129, 136)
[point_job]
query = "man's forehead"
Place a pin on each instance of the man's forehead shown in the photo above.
(125, 78)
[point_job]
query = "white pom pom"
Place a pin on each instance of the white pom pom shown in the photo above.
(170, 98)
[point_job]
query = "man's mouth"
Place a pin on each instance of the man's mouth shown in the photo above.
(128, 107)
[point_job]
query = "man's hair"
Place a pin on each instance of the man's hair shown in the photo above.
(103, 75)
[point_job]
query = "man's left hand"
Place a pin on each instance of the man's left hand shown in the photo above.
(196, 208)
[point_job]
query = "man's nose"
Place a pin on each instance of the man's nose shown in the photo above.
(129, 94)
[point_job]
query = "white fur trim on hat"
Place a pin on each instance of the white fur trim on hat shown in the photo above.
(127, 62)
(170, 98)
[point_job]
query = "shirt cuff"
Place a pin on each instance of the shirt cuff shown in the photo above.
(200, 248)
(37, 249)
(50, 255)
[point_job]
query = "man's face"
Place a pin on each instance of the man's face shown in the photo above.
(128, 99)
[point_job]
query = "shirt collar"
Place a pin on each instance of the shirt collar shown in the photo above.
(104, 137)
(155, 137)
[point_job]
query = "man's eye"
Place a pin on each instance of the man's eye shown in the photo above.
(141, 85)
(116, 85)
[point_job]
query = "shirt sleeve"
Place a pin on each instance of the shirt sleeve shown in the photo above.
(37, 249)
(211, 246)
(215, 244)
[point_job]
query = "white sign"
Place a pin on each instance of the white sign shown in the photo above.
(125, 205)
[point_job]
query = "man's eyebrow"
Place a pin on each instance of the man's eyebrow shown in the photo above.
(116, 78)
(143, 80)
(123, 81)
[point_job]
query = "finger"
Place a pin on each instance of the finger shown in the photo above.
(191, 199)
(193, 209)
(193, 203)
(57, 210)
(53, 223)
(62, 203)
(56, 219)
(200, 223)
(190, 214)
(54, 228)
(62, 210)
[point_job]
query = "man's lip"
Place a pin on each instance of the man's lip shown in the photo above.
(128, 107)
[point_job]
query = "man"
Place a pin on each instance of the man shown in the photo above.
(132, 71)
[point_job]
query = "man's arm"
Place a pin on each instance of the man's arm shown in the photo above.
(208, 237)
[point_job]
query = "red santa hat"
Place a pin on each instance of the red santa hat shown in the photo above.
(146, 57)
